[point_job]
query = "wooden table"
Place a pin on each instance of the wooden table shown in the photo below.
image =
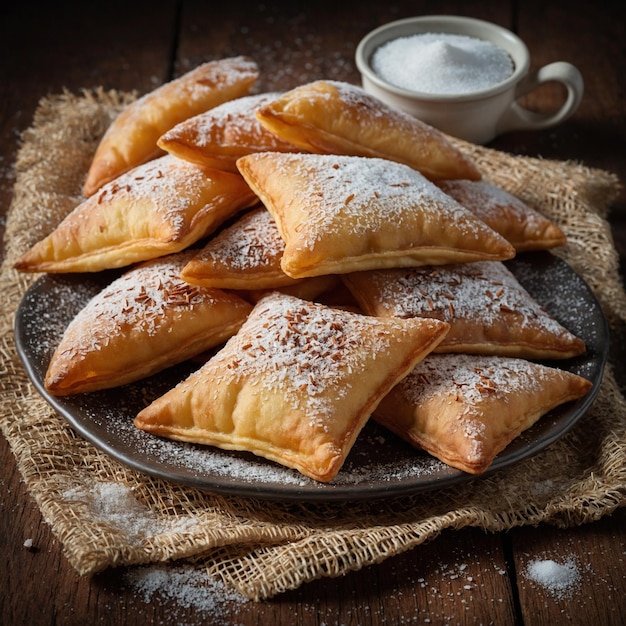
(464, 577)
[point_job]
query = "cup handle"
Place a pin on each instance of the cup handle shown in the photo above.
(518, 118)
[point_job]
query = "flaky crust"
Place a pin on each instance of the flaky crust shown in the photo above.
(521, 225)
(219, 136)
(341, 214)
(144, 321)
(332, 117)
(245, 255)
(466, 409)
(488, 310)
(132, 137)
(158, 208)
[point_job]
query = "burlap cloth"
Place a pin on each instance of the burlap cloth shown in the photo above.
(264, 548)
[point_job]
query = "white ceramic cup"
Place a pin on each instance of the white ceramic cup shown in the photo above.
(482, 115)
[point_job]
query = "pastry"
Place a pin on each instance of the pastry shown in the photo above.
(146, 320)
(219, 136)
(521, 225)
(488, 310)
(290, 386)
(313, 288)
(158, 208)
(131, 139)
(331, 117)
(465, 409)
(341, 214)
(246, 255)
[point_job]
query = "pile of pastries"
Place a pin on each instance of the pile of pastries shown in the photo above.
(334, 259)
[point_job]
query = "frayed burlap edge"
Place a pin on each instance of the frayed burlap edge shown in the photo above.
(265, 548)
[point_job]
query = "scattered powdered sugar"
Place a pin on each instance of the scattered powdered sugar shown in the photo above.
(471, 378)
(198, 85)
(373, 111)
(191, 587)
(468, 381)
(173, 187)
(442, 63)
(138, 299)
(488, 201)
(560, 579)
(116, 505)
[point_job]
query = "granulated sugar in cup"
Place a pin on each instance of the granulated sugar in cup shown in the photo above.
(461, 75)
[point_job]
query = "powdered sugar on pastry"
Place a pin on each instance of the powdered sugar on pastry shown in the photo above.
(158, 181)
(367, 194)
(252, 242)
(465, 409)
(302, 348)
(138, 300)
(469, 378)
(523, 226)
(482, 290)
(230, 125)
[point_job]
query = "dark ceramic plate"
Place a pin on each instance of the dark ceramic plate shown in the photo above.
(379, 464)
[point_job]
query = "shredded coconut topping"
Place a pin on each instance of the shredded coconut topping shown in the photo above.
(481, 290)
(252, 242)
(160, 182)
(304, 348)
(470, 377)
(137, 299)
(468, 380)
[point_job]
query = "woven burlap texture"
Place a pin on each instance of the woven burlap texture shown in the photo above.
(264, 548)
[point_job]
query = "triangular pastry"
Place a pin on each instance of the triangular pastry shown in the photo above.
(521, 225)
(332, 117)
(158, 208)
(466, 409)
(488, 310)
(219, 136)
(246, 255)
(132, 137)
(340, 214)
(295, 385)
(144, 321)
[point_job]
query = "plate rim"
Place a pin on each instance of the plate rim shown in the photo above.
(319, 491)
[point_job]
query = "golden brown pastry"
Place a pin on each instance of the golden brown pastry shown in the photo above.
(465, 409)
(158, 208)
(132, 137)
(245, 255)
(219, 136)
(295, 385)
(144, 321)
(488, 310)
(341, 214)
(331, 117)
(521, 225)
